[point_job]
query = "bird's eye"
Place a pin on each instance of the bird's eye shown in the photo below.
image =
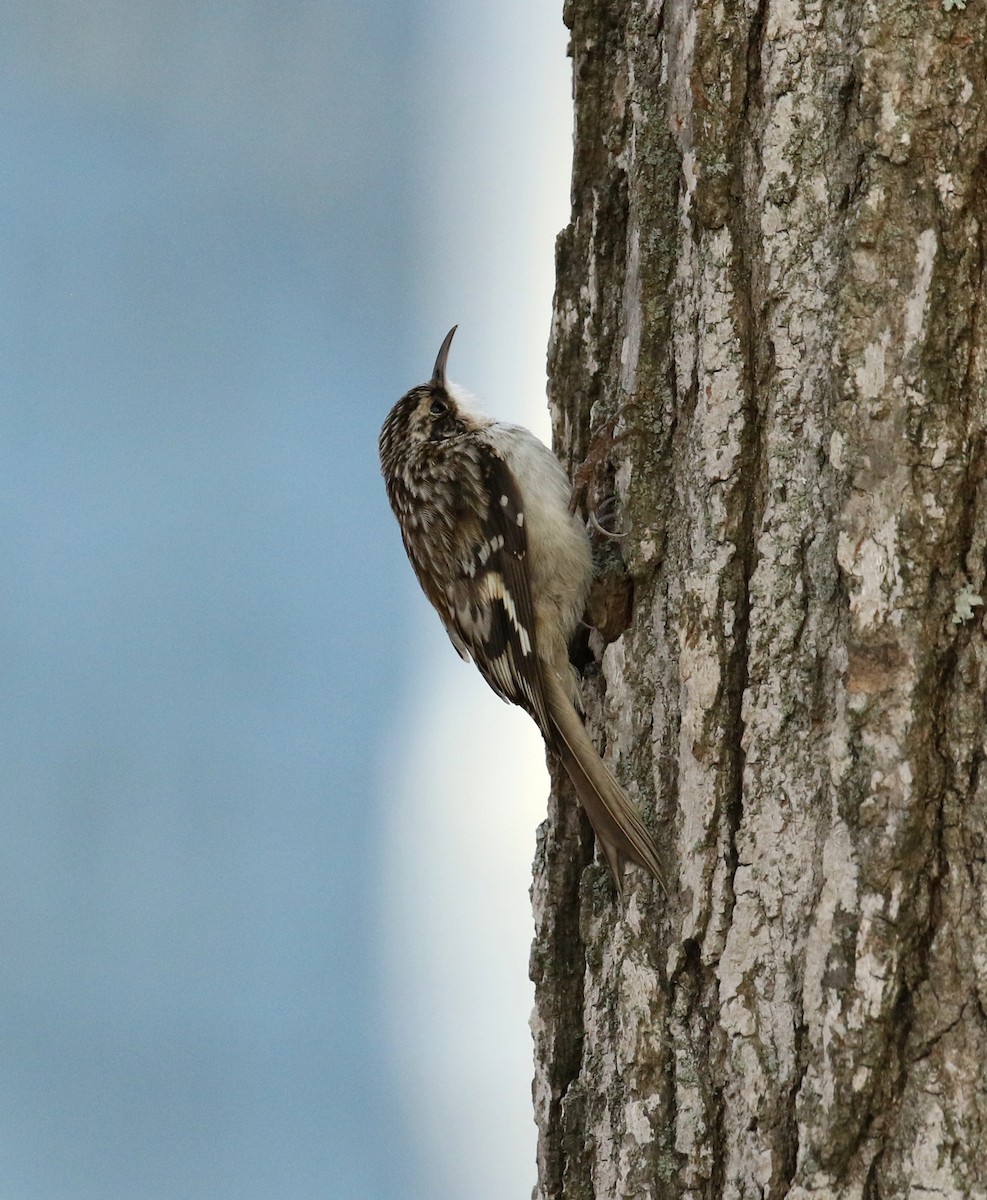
(438, 407)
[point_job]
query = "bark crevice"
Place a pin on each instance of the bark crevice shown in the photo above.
(772, 293)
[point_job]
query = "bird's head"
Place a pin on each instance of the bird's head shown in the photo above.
(432, 412)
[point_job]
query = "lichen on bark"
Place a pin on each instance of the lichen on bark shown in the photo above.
(769, 344)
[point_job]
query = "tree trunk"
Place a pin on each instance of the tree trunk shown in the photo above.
(770, 344)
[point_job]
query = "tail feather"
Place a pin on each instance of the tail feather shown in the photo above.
(617, 824)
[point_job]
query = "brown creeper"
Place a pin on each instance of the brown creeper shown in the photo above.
(484, 515)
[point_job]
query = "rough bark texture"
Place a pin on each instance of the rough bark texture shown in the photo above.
(770, 342)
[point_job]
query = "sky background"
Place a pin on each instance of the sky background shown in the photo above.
(266, 842)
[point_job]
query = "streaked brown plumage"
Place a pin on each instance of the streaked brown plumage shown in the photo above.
(484, 514)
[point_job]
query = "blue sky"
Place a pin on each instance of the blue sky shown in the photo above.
(235, 868)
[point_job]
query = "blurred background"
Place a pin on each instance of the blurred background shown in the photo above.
(265, 841)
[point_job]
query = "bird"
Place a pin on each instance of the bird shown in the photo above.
(485, 518)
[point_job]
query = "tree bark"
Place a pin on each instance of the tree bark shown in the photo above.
(770, 343)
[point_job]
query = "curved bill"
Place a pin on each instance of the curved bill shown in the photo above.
(439, 374)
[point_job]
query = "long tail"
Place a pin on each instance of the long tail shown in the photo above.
(618, 826)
